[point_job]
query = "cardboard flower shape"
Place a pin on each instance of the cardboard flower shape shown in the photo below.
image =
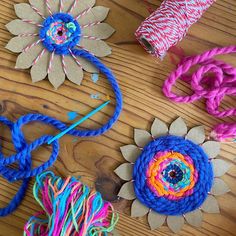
(173, 175)
(48, 33)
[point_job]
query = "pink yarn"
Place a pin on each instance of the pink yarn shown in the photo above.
(212, 80)
(225, 132)
(169, 24)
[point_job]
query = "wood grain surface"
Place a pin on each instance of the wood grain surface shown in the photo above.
(140, 77)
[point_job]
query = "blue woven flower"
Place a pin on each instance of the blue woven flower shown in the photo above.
(172, 175)
(50, 33)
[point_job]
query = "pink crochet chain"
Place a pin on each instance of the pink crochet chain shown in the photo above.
(212, 80)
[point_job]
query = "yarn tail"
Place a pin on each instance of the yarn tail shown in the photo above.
(224, 132)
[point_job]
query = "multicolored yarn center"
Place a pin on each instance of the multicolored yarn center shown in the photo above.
(172, 176)
(60, 33)
(69, 208)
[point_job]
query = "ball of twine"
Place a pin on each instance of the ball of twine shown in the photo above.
(168, 25)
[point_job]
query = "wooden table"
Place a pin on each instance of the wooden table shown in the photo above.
(140, 77)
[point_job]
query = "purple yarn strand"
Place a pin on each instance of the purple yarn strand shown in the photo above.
(213, 88)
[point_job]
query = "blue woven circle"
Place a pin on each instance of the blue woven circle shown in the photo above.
(162, 204)
(60, 33)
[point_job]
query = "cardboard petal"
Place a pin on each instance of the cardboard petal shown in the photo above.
(219, 187)
(26, 59)
(155, 220)
(41, 6)
(196, 134)
(56, 75)
(97, 14)
(211, 148)
(159, 128)
(220, 167)
(194, 218)
(142, 137)
(125, 171)
(17, 27)
(55, 5)
(25, 11)
(130, 152)
(17, 44)
(210, 205)
(178, 127)
(127, 191)
(87, 66)
(82, 5)
(39, 71)
(138, 209)
(73, 71)
(97, 47)
(175, 223)
(101, 31)
(115, 232)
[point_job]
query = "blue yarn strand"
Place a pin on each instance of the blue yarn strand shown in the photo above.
(24, 150)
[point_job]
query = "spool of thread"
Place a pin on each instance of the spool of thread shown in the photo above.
(69, 208)
(168, 25)
(212, 80)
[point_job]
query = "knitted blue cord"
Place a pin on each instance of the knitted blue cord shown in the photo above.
(23, 149)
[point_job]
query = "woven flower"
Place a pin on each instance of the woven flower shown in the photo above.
(173, 175)
(49, 31)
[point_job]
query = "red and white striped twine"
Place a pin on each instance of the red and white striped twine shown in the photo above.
(73, 6)
(75, 58)
(37, 11)
(86, 11)
(64, 64)
(79, 46)
(39, 57)
(32, 22)
(90, 24)
(27, 48)
(28, 35)
(48, 7)
(61, 5)
(50, 62)
(168, 25)
(89, 37)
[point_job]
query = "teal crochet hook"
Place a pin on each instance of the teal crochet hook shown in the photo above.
(58, 136)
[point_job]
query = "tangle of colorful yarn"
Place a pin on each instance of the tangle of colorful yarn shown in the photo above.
(69, 208)
(23, 156)
(168, 25)
(212, 80)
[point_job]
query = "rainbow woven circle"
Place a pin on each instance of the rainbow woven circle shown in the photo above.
(60, 33)
(172, 176)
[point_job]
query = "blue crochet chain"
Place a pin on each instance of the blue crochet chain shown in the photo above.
(23, 156)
